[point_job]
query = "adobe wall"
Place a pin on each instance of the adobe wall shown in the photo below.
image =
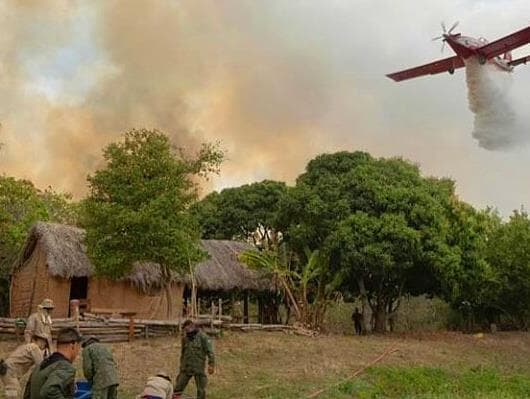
(109, 294)
(32, 283)
(29, 285)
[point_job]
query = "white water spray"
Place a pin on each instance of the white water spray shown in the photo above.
(497, 124)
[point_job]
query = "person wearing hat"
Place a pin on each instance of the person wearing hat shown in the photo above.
(195, 348)
(158, 387)
(55, 377)
(40, 323)
(19, 362)
(100, 369)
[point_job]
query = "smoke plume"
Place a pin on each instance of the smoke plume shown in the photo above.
(497, 124)
(197, 70)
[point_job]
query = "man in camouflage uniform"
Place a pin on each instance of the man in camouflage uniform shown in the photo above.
(196, 347)
(158, 387)
(100, 369)
(40, 323)
(20, 362)
(55, 377)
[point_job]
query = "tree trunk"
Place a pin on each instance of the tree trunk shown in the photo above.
(380, 317)
(365, 305)
(291, 299)
(245, 308)
(194, 311)
(166, 273)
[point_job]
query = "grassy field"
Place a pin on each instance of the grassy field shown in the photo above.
(280, 366)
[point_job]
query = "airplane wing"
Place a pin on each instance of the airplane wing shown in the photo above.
(447, 64)
(505, 44)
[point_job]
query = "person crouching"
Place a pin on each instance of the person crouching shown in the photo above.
(100, 369)
(158, 386)
(20, 361)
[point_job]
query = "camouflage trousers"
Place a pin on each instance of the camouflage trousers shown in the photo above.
(200, 381)
(11, 385)
(105, 393)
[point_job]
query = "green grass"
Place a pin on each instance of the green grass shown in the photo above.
(395, 382)
(431, 383)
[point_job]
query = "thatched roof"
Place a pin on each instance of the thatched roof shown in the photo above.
(66, 257)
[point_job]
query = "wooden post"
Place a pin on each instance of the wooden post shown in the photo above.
(245, 307)
(74, 312)
(260, 310)
(131, 328)
(220, 309)
(212, 317)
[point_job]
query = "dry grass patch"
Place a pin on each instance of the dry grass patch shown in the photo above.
(270, 365)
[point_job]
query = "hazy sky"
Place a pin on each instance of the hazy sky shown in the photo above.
(277, 82)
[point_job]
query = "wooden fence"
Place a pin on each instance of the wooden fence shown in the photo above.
(119, 330)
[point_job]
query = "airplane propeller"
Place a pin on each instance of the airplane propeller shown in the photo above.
(445, 34)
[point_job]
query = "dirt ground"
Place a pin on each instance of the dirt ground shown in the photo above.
(251, 362)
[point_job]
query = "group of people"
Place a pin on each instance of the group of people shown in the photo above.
(53, 375)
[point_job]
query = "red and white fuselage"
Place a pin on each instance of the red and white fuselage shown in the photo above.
(496, 53)
(466, 47)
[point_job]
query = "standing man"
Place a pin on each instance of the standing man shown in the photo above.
(55, 377)
(40, 323)
(357, 318)
(19, 362)
(196, 347)
(100, 369)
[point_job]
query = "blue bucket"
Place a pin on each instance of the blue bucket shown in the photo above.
(82, 390)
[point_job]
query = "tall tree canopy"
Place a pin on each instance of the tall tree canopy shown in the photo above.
(137, 209)
(383, 225)
(246, 212)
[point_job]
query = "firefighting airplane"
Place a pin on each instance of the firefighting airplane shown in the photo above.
(466, 47)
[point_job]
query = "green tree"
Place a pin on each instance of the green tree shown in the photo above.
(379, 253)
(343, 194)
(21, 205)
(137, 209)
(247, 213)
(508, 253)
(472, 285)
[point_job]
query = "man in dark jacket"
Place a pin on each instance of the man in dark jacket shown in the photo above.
(196, 347)
(100, 369)
(357, 318)
(55, 377)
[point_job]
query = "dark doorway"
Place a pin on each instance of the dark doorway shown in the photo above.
(78, 288)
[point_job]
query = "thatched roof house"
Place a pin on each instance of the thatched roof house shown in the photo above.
(54, 264)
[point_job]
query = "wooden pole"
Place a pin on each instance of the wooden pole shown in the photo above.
(131, 328)
(212, 316)
(74, 312)
(260, 310)
(245, 307)
(220, 309)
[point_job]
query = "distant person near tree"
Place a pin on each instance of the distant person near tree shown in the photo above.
(357, 318)
(100, 369)
(196, 347)
(40, 323)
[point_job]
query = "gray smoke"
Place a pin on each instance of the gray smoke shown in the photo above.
(498, 125)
